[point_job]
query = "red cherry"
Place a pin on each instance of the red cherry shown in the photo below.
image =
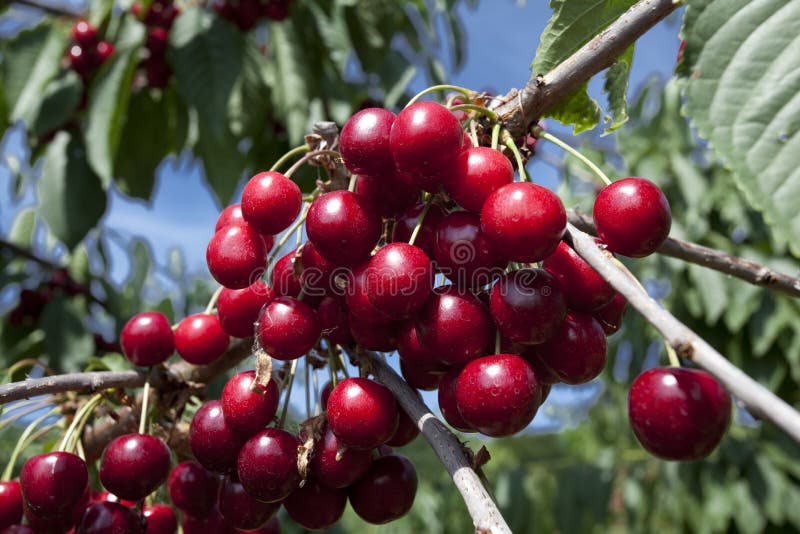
(524, 221)
(388, 194)
(387, 491)
(407, 221)
(10, 503)
(678, 414)
(157, 71)
(544, 374)
(18, 529)
(340, 472)
(200, 339)
(59, 524)
(462, 252)
(212, 521)
(288, 328)
(610, 316)
(247, 14)
(334, 320)
(84, 34)
(357, 300)
(632, 217)
(193, 488)
(238, 309)
(478, 172)
(316, 506)
(157, 41)
(283, 279)
(109, 517)
(374, 336)
(242, 511)
(364, 142)
(105, 495)
(420, 377)
(448, 404)
(498, 395)
(414, 353)
(147, 339)
(270, 202)
(276, 10)
(577, 351)
(236, 256)
(232, 216)
(273, 526)
(343, 229)
(53, 484)
(267, 465)
(245, 410)
(584, 289)
(399, 280)
(318, 274)
(160, 519)
(82, 60)
(407, 430)
(362, 413)
(134, 465)
(425, 138)
(214, 444)
(103, 52)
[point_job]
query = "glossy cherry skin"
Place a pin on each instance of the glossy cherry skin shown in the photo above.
(362, 413)
(584, 289)
(407, 221)
(357, 299)
(334, 319)
(387, 491)
(134, 465)
(316, 506)
(399, 280)
(267, 465)
(200, 339)
(147, 339)
(342, 472)
(157, 41)
(247, 411)
(632, 217)
(498, 395)
(317, 276)
(412, 351)
(528, 306)
(288, 328)
(53, 484)
(238, 309)
(523, 221)
(110, 518)
(462, 252)
(160, 519)
(374, 336)
(271, 202)
(105, 495)
(544, 374)
(60, 524)
(343, 229)
(84, 34)
(448, 404)
(477, 173)
(610, 316)
(10, 503)
(236, 256)
(420, 377)
(232, 216)
(678, 413)
(242, 511)
(273, 526)
(103, 52)
(212, 521)
(407, 430)
(193, 488)
(577, 351)
(283, 279)
(364, 142)
(425, 138)
(214, 444)
(389, 194)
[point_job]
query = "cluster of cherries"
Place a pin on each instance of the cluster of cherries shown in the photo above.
(158, 17)
(245, 13)
(87, 51)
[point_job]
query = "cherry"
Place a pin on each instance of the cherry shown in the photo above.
(407, 430)
(273, 526)
(388, 194)
(498, 395)
(240, 510)
(10, 503)
(362, 413)
(283, 279)
(334, 320)
(247, 411)
(157, 41)
(374, 336)
(81, 59)
(524, 221)
(632, 217)
(584, 289)
(134, 465)
(267, 465)
(326, 391)
(317, 276)
(577, 351)
(106, 495)
(157, 71)
(56, 525)
(610, 316)
(147, 339)
(212, 521)
(527, 305)
(364, 142)
(407, 221)
(193, 488)
(425, 138)
(462, 252)
(478, 172)
(387, 491)
(315, 506)
(399, 280)
(84, 34)
(53, 484)
(276, 10)
(419, 377)
(454, 325)
(678, 413)
(109, 518)
(544, 374)
(160, 519)
(200, 339)
(357, 299)
(288, 328)
(214, 444)
(448, 404)
(18, 529)
(340, 472)
(103, 52)
(342, 227)
(247, 14)
(238, 309)
(271, 202)
(232, 216)
(412, 351)
(236, 256)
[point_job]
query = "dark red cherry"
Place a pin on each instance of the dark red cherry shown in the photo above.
(387, 491)
(134, 465)
(82, 60)
(364, 142)
(407, 221)
(160, 519)
(544, 374)
(238, 309)
(84, 34)
(317, 276)
(414, 353)
(455, 326)
(316, 506)
(462, 252)
(343, 229)
(374, 336)
(632, 217)
(53, 484)
(339, 472)
(399, 280)
(247, 14)
(103, 52)
(425, 138)
(288, 328)
(105, 495)
(60, 524)
(232, 216)
(523, 221)
(271, 202)
(448, 404)
(18, 529)
(420, 377)
(273, 526)
(610, 316)
(577, 351)
(110, 518)
(528, 306)
(10, 503)
(678, 413)
(212, 521)
(362, 413)
(388, 194)
(247, 411)
(283, 279)
(200, 339)
(584, 289)
(356, 297)
(157, 71)
(157, 41)
(267, 465)
(214, 444)
(498, 395)
(236, 256)
(193, 488)
(334, 320)
(407, 430)
(147, 339)
(242, 511)
(477, 173)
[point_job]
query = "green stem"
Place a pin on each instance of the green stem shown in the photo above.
(292, 371)
(212, 302)
(313, 154)
(289, 155)
(496, 135)
(83, 413)
(145, 408)
(477, 109)
(21, 444)
(512, 146)
(421, 219)
(463, 90)
(672, 355)
(538, 132)
(285, 237)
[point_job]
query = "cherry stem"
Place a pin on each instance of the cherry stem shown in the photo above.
(310, 155)
(21, 444)
(78, 422)
(308, 388)
(289, 155)
(333, 363)
(496, 135)
(315, 385)
(352, 185)
(421, 219)
(497, 339)
(473, 134)
(285, 237)
(212, 302)
(292, 371)
(145, 408)
(512, 146)
(463, 90)
(477, 109)
(541, 134)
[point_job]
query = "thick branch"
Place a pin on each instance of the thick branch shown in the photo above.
(755, 397)
(747, 270)
(543, 92)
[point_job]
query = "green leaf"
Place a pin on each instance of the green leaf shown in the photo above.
(109, 362)
(165, 307)
(66, 341)
(616, 87)
(59, 102)
(22, 230)
(578, 109)
(71, 196)
(140, 267)
(222, 161)
(741, 93)
(290, 81)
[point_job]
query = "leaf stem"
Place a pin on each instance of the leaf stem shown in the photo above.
(541, 134)
(463, 90)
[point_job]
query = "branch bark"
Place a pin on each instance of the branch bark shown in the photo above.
(758, 399)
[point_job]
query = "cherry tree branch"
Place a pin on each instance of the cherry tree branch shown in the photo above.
(758, 399)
